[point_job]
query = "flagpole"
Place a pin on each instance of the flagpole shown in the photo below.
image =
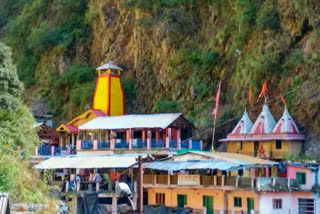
(213, 132)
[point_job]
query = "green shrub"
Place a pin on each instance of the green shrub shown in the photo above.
(269, 19)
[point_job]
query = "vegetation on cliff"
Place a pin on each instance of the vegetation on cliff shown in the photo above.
(18, 137)
(174, 52)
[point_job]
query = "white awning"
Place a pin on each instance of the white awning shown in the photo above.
(90, 161)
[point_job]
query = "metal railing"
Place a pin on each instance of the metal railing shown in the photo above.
(121, 143)
(86, 144)
(184, 144)
(196, 144)
(160, 143)
(104, 144)
(173, 143)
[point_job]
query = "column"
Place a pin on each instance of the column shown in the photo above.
(149, 136)
(135, 195)
(130, 138)
(36, 151)
(201, 144)
(72, 140)
(114, 204)
(95, 144)
(113, 140)
(266, 170)
(179, 138)
(190, 144)
(222, 180)
(157, 135)
(168, 137)
(60, 141)
(78, 145)
(143, 136)
(52, 150)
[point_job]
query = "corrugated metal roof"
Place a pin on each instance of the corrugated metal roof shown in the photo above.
(131, 121)
(236, 158)
(109, 65)
(182, 165)
(90, 161)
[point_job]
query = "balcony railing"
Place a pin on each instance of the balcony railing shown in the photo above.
(173, 143)
(137, 143)
(184, 144)
(196, 144)
(121, 143)
(260, 183)
(160, 143)
(52, 151)
(104, 144)
(86, 145)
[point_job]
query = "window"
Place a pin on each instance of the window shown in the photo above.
(306, 206)
(301, 178)
(160, 198)
(237, 202)
(182, 200)
(277, 203)
(278, 144)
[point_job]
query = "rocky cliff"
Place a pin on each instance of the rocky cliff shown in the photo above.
(174, 53)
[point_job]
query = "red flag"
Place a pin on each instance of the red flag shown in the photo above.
(263, 90)
(250, 95)
(215, 110)
(283, 101)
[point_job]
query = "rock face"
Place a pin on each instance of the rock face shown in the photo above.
(175, 53)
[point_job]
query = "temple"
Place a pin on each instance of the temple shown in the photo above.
(265, 138)
(105, 129)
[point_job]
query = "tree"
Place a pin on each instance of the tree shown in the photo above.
(17, 130)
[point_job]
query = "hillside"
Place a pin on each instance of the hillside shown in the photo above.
(174, 53)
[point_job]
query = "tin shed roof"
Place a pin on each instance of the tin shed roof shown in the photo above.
(132, 121)
(90, 161)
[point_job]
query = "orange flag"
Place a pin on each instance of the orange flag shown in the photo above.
(263, 90)
(283, 100)
(250, 95)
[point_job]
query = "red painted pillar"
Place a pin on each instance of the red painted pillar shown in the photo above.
(157, 135)
(52, 150)
(266, 171)
(78, 145)
(36, 151)
(95, 144)
(130, 138)
(168, 137)
(179, 138)
(149, 136)
(143, 135)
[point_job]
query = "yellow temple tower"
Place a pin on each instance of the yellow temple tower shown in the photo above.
(108, 96)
